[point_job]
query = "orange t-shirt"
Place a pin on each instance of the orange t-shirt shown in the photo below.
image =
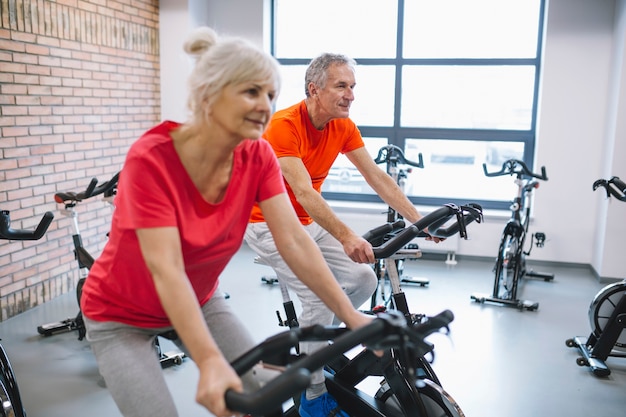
(291, 133)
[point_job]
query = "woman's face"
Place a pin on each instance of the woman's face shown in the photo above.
(243, 110)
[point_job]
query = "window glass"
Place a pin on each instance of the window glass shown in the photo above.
(343, 177)
(374, 95)
(470, 29)
(469, 97)
(460, 86)
(357, 28)
(292, 89)
(453, 169)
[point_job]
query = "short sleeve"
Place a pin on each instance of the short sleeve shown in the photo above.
(272, 182)
(145, 196)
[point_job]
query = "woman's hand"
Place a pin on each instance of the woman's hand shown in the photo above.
(216, 377)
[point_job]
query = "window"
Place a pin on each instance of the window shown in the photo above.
(453, 80)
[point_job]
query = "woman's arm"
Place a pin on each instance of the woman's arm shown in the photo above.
(305, 259)
(162, 253)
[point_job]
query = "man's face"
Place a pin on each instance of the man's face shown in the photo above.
(337, 96)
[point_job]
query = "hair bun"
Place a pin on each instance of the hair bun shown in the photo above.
(200, 40)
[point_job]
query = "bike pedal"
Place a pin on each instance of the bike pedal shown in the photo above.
(379, 309)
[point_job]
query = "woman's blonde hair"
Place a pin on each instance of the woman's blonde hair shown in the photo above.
(221, 62)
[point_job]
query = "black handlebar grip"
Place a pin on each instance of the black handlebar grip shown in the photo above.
(434, 323)
(62, 197)
(21, 234)
(509, 168)
(93, 189)
(619, 184)
(382, 230)
(434, 222)
(90, 188)
(398, 241)
(614, 187)
(271, 396)
(386, 153)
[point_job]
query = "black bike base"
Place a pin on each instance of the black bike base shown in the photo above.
(597, 366)
(168, 359)
(539, 275)
(519, 304)
(63, 326)
(422, 282)
(269, 280)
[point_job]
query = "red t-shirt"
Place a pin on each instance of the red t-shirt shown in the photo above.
(154, 190)
(291, 133)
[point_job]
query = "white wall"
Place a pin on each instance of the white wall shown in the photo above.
(580, 136)
(177, 18)
(611, 226)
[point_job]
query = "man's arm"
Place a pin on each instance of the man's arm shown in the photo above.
(298, 178)
(383, 184)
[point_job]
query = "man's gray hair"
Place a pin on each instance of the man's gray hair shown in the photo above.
(317, 72)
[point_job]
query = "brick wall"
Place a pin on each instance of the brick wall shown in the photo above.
(79, 82)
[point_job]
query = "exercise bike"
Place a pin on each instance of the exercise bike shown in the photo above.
(83, 257)
(70, 199)
(388, 331)
(409, 385)
(393, 156)
(10, 399)
(510, 266)
(607, 312)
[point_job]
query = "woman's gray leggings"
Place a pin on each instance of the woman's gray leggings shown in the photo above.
(130, 366)
(357, 280)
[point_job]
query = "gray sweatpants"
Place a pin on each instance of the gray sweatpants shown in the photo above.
(357, 280)
(129, 364)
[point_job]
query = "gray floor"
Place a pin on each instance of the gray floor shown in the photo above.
(497, 361)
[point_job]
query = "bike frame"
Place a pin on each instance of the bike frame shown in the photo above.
(85, 261)
(344, 374)
(511, 257)
(10, 399)
(607, 313)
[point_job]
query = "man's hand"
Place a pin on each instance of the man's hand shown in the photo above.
(434, 238)
(359, 250)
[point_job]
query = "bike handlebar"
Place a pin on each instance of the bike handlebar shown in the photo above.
(434, 222)
(614, 187)
(388, 329)
(379, 232)
(7, 233)
(515, 166)
(92, 190)
(393, 153)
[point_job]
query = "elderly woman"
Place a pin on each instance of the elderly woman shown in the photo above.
(184, 199)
